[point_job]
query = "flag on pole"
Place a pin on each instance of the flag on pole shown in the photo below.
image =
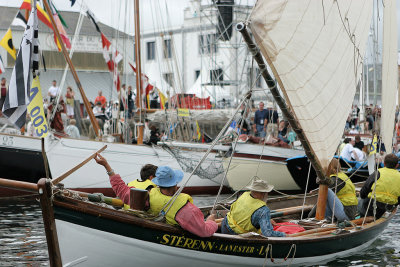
(163, 99)
(19, 20)
(61, 30)
(43, 16)
(18, 95)
(7, 43)
(374, 145)
(59, 15)
(198, 131)
(36, 110)
(2, 70)
(93, 19)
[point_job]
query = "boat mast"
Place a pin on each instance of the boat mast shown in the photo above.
(74, 74)
(323, 187)
(138, 72)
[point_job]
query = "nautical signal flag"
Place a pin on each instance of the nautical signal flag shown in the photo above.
(198, 132)
(7, 43)
(19, 20)
(43, 16)
(374, 145)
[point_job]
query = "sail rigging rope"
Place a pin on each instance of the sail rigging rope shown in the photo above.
(174, 197)
(373, 190)
(247, 106)
(305, 191)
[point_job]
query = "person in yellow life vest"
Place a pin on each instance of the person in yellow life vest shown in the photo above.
(344, 204)
(386, 190)
(147, 173)
(179, 212)
(249, 213)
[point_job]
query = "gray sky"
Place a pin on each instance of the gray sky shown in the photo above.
(154, 14)
(116, 12)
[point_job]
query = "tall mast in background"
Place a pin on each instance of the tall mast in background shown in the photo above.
(138, 73)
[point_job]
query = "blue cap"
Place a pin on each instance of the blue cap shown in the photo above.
(167, 177)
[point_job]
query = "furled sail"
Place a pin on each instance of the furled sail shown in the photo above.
(389, 72)
(315, 50)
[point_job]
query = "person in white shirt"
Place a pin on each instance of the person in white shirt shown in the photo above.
(348, 151)
(360, 154)
(53, 90)
(72, 130)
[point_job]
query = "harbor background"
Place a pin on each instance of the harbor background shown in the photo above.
(23, 241)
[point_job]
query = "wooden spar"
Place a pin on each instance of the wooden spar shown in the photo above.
(23, 186)
(29, 187)
(63, 176)
(241, 27)
(44, 156)
(45, 193)
(138, 72)
(74, 74)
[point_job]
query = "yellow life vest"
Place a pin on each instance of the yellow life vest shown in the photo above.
(158, 201)
(347, 194)
(145, 185)
(239, 217)
(387, 186)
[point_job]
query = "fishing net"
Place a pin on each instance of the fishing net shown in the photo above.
(210, 168)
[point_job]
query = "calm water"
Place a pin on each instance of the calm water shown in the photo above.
(23, 242)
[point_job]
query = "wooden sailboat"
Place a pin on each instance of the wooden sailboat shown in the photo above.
(87, 234)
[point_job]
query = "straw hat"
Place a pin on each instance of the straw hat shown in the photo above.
(260, 186)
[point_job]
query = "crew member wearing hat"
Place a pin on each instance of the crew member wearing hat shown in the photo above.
(180, 211)
(249, 213)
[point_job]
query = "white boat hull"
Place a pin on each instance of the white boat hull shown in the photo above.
(265, 162)
(125, 159)
(242, 170)
(80, 246)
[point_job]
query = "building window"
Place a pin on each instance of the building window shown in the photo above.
(208, 43)
(252, 76)
(216, 76)
(151, 50)
(169, 78)
(196, 74)
(167, 49)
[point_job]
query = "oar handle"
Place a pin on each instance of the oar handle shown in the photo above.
(24, 186)
(65, 175)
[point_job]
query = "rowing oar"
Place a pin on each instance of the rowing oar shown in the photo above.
(328, 230)
(289, 211)
(65, 175)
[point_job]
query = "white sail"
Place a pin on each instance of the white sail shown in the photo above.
(389, 72)
(315, 50)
